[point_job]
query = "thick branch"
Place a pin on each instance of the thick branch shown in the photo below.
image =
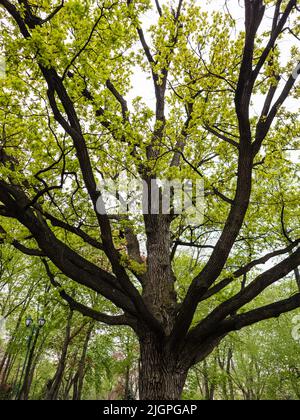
(273, 310)
(255, 288)
(83, 309)
(244, 270)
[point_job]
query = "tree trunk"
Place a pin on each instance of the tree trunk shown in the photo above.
(81, 366)
(75, 386)
(128, 394)
(6, 369)
(160, 376)
(24, 393)
(228, 371)
(53, 386)
(70, 379)
(3, 364)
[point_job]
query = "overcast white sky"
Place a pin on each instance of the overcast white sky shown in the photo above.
(144, 88)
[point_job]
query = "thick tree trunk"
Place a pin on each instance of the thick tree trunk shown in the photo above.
(161, 377)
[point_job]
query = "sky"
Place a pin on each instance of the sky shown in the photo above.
(143, 87)
(236, 9)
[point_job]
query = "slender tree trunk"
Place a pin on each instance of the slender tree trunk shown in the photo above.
(3, 364)
(205, 381)
(75, 386)
(209, 389)
(230, 383)
(15, 379)
(69, 382)
(226, 365)
(6, 369)
(67, 388)
(127, 391)
(54, 384)
(24, 394)
(10, 368)
(81, 368)
(30, 381)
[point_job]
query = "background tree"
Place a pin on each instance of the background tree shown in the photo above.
(66, 123)
(257, 363)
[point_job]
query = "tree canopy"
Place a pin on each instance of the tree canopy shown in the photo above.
(218, 102)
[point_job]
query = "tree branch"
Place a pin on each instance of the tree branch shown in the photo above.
(246, 295)
(221, 136)
(72, 229)
(83, 309)
(273, 310)
(244, 270)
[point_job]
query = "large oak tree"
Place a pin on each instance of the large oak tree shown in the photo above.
(214, 110)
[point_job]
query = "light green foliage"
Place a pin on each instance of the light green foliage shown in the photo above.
(90, 44)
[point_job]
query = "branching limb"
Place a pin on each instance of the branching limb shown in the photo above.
(262, 282)
(247, 268)
(158, 7)
(25, 250)
(83, 309)
(273, 310)
(72, 229)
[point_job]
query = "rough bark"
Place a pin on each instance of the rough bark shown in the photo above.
(168, 343)
(161, 376)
